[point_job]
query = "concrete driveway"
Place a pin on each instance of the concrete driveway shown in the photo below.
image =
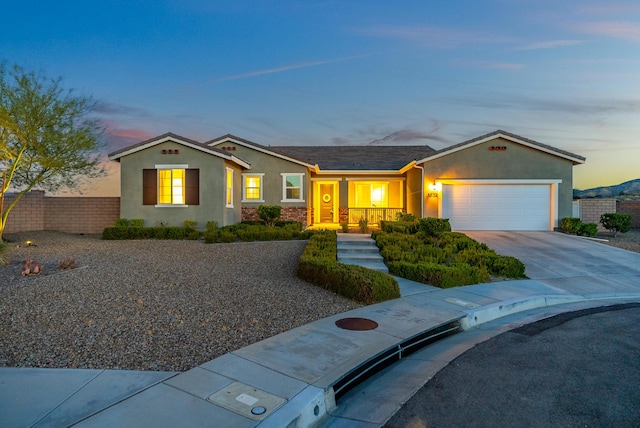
(575, 264)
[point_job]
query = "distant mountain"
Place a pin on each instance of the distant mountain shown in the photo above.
(629, 190)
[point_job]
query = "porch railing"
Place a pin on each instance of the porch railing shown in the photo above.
(373, 215)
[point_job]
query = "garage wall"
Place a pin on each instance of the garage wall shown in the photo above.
(511, 161)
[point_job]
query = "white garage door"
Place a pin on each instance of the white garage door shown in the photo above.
(497, 207)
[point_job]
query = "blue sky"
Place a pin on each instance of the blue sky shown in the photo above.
(564, 73)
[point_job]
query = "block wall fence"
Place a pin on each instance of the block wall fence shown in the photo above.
(90, 215)
(36, 211)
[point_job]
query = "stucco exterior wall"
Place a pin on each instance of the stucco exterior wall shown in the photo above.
(516, 161)
(414, 194)
(212, 203)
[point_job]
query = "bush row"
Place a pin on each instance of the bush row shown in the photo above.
(256, 231)
(158, 232)
(319, 266)
(575, 226)
(430, 226)
(444, 260)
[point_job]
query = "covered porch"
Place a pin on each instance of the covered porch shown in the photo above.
(350, 200)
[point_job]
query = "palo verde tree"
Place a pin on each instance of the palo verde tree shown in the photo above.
(48, 136)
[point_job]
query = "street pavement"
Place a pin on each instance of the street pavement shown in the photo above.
(578, 369)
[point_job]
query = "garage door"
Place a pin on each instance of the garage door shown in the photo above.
(497, 207)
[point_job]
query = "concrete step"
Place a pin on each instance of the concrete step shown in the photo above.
(378, 266)
(360, 256)
(358, 249)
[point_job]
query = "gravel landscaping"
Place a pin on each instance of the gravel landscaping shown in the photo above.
(157, 305)
(628, 241)
(150, 305)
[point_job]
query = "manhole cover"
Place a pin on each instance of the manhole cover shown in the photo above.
(358, 324)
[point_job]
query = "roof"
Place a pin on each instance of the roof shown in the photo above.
(358, 158)
(576, 159)
(169, 136)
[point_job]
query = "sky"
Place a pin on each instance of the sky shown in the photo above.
(285, 72)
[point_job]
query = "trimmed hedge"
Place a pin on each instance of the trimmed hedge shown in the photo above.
(256, 231)
(444, 260)
(159, 232)
(440, 275)
(319, 266)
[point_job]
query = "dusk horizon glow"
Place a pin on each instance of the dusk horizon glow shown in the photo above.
(348, 73)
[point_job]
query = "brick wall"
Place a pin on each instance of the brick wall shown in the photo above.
(633, 208)
(35, 211)
(591, 209)
(295, 214)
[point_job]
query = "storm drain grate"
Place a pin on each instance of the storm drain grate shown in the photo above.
(391, 355)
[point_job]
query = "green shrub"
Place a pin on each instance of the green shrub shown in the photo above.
(588, 229)
(318, 265)
(570, 225)
(616, 222)
(226, 236)
(211, 226)
(439, 275)
(124, 232)
(122, 222)
(506, 266)
(269, 214)
(190, 224)
(136, 222)
(345, 226)
(405, 217)
(408, 227)
(192, 234)
(364, 225)
(434, 226)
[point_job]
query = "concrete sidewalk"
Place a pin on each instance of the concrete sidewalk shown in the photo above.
(291, 379)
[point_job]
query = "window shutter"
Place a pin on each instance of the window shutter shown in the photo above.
(192, 186)
(149, 187)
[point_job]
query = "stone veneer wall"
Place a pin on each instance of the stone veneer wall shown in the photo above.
(35, 211)
(295, 214)
(633, 208)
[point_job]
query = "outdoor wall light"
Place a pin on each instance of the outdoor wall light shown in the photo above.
(436, 186)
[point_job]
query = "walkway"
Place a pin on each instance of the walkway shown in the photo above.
(292, 379)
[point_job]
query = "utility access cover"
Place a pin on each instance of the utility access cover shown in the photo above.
(247, 400)
(460, 302)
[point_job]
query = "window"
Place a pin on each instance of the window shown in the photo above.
(292, 188)
(171, 185)
(374, 195)
(252, 187)
(229, 188)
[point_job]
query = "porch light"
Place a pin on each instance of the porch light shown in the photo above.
(436, 186)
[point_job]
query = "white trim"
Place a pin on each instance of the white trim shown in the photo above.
(498, 180)
(328, 179)
(171, 206)
(179, 141)
(359, 172)
(244, 189)
(377, 179)
(172, 166)
(284, 186)
(505, 137)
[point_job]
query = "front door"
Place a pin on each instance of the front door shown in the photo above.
(326, 203)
